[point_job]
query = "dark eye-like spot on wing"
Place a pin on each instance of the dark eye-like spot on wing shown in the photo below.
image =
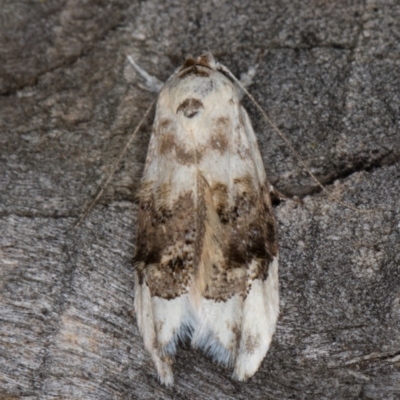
(190, 107)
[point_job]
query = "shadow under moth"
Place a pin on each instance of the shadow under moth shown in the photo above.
(206, 262)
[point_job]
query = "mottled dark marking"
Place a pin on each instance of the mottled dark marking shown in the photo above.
(219, 136)
(190, 107)
(176, 234)
(219, 142)
(219, 193)
(223, 284)
(252, 344)
(167, 143)
(182, 155)
(165, 127)
(248, 237)
(237, 331)
(246, 183)
(201, 217)
(165, 124)
(164, 258)
(166, 133)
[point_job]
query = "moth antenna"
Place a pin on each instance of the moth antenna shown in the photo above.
(153, 84)
(292, 149)
(246, 79)
(114, 167)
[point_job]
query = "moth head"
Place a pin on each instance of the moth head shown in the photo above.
(198, 66)
(205, 60)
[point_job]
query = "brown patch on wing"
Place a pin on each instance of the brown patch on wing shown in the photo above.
(244, 243)
(201, 217)
(166, 124)
(221, 200)
(165, 244)
(225, 283)
(165, 127)
(215, 246)
(190, 107)
(246, 183)
(252, 344)
(219, 137)
(209, 282)
(252, 224)
(169, 144)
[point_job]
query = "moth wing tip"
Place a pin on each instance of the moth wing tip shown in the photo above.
(168, 380)
(164, 370)
(245, 368)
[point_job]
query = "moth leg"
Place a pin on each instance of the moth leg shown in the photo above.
(152, 83)
(277, 196)
(246, 78)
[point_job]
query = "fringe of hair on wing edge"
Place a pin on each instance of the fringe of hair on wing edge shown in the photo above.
(206, 341)
(202, 338)
(184, 332)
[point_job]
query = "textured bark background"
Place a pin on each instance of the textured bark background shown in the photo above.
(329, 78)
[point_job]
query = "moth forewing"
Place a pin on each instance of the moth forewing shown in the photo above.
(206, 262)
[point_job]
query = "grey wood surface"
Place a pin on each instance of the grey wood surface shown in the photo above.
(329, 78)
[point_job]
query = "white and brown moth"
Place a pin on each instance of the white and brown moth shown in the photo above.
(206, 262)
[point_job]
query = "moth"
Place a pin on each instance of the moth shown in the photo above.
(206, 262)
